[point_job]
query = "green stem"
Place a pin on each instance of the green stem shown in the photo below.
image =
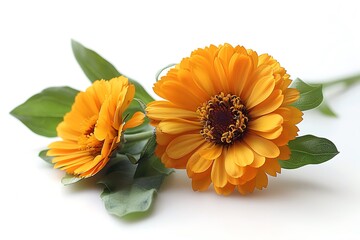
(348, 81)
(138, 136)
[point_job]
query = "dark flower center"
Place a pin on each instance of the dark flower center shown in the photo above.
(224, 119)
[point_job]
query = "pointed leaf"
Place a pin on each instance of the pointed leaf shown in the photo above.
(69, 179)
(123, 195)
(128, 201)
(96, 67)
(310, 96)
(325, 109)
(309, 149)
(44, 111)
(43, 156)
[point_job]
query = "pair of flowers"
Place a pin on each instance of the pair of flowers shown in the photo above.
(226, 116)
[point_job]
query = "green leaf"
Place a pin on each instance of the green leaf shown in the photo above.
(160, 167)
(128, 201)
(325, 109)
(96, 67)
(43, 156)
(131, 189)
(310, 96)
(125, 195)
(149, 164)
(309, 149)
(44, 111)
(69, 179)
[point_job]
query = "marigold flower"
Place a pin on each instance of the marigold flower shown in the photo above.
(226, 118)
(91, 131)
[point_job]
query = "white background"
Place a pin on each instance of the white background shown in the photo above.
(313, 40)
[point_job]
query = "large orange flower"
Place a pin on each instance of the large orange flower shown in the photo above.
(91, 131)
(226, 118)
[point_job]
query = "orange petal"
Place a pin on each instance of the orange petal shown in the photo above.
(163, 138)
(177, 126)
(136, 120)
(271, 167)
(184, 145)
(240, 154)
(240, 67)
(257, 75)
(176, 92)
(222, 75)
(266, 123)
(275, 133)
(290, 96)
(159, 110)
(70, 157)
(289, 132)
(269, 105)
(104, 123)
(247, 187)
(226, 190)
(64, 145)
(89, 165)
(290, 114)
(249, 173)
(262, 90)
(284, 152)
(203, 73)
(262, 146)
(210, 151)
(201, 185)
(258, 161)
(79, 161)
(261, 180)
(218, 172)
(197, 164)
(234, 170)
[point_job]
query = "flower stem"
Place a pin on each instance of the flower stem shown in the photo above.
(138, 136)
(348, 81)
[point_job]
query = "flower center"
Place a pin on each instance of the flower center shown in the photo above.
(87, 139)
(224, 119)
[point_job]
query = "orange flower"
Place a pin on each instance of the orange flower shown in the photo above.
(91, 131)
(226, 118)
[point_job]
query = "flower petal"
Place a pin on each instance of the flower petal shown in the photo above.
(198, 164)
(202, 184)
(218, 172)
(183, 145)
(177, 126)
(262, 146)
(234, 170)
(226, 190)
(269, 105)
(210, 151)
(261, 180)
(136, 120)
(266, 123)
(240, 67)
(290, 96)
(159, 110)
(262, 90)
(247, 187)
(271, 167)
(275, 133)
(258, 161)
(240, 154)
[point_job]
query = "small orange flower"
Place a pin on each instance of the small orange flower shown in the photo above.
(91, 131)
(226, 118)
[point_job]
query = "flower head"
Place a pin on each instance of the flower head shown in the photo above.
(91, 131)
(226, 118)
